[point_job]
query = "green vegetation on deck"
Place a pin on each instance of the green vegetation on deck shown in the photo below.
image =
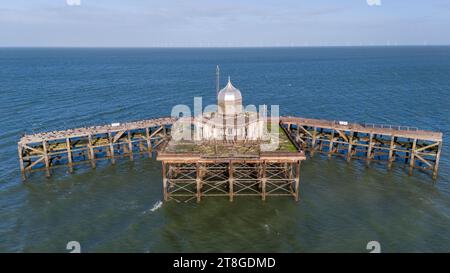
(238, 148)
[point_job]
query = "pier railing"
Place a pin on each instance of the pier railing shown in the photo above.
(392, 127)
(352, 124)
(375, 125)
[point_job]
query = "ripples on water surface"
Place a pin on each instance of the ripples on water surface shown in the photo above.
(115, 208)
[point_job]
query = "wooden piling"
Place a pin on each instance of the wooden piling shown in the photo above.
(230, 180)
(91, 152)
(330, 146)
(369, 149)
(164, 176)
(198, 181)
(141, 147)
(263, 181)
(412, 154)
(130, 145)
(22, 168)
(297, 181)
(436, 162)
(391, 152)
(313, 142)
(111, 148)
(46, 158)
(149, 142)
(69, 154)
(349, 148)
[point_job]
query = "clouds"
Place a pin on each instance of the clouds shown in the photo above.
(216, 23)
(373, 2)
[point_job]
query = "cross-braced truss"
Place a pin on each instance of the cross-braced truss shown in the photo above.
(187, 181)
(417, 149)
(90, 148)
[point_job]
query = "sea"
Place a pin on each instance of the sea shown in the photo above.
(118, 208)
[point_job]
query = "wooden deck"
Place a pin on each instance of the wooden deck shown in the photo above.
(95, 130)
(399, 131)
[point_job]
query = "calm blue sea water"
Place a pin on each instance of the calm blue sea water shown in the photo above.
(343, 205)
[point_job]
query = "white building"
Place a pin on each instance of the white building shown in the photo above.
(230, 122)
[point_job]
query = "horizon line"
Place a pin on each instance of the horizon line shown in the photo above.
(223, 47)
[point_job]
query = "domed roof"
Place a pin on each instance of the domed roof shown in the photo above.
(229, 94)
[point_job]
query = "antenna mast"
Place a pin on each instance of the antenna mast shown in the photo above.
(217, 80)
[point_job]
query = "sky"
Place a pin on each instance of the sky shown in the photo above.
(215, 23)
